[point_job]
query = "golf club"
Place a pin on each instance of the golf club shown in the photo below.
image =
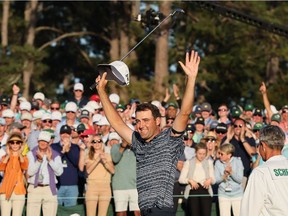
(104, 67)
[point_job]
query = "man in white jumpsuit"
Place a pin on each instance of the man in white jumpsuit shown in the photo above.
(267, 189)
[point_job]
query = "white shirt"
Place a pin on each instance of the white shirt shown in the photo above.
(267, 190)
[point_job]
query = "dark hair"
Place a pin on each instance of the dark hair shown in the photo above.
(147, 106)
(200, 145)
(273, 136)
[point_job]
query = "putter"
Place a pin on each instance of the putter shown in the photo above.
(118, 70)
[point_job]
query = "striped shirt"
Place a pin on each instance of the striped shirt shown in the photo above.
(156, 167)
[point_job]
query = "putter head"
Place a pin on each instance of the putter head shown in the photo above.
(117, 71)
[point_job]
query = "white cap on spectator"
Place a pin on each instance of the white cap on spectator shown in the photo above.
(46, 116)
(103, 121)
(21, 99)
(44, 136)
(71, 107)
(25, 105)
(39, 96)
(26, 116)
(78, 86)
(56, 115)
(90, 109)
(38, 114)
(96, 118)
(114, 98)
(8, 113)
(93, 104)
(114, 135)
(156, 103)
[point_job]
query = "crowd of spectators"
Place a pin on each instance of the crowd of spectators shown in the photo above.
(68, 154)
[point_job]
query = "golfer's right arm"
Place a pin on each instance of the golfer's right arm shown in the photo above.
(111, 114)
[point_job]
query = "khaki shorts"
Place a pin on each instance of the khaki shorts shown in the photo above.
(124, 197)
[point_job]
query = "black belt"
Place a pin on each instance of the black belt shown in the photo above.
(146, 212)
(42, 185)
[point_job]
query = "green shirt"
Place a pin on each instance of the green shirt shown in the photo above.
(125, 169)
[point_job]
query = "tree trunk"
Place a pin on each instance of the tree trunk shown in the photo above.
(161, 59)
(30, 19)
(4, 27)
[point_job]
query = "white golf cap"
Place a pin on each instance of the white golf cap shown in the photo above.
(39, 96)
(71, 107)
(114, 136)
(44, 136)
(78, 86)
(117, 71)
(56, 115)
(96, 118)
(103, 121)
(8, 113)
(114, 98)
(25, 105)
(26, 116)
(46, 116)
(156, 103)
(38, 114)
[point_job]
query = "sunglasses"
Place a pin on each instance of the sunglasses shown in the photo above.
(221, 132)
(257, 115)
(97, 141)
(79, 132)
(223, 110)
(15, 142)
(221, 154)
(55, 108)
(47, 121)
(211, 140)
(238, 126)
(86, 136)
(284, 111)
(77, 90)
(70, 112)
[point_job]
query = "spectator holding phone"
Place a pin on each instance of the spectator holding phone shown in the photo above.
(244, 146)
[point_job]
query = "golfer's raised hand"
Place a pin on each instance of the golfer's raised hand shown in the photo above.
(101, 81)
(191, 64)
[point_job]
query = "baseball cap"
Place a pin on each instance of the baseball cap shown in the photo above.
(200, 120)
(120, 106)
(39, 96)
(206, 107)
(51, 132)
(65, 129)
(197, 109)
(221, 128)
(114, 98)
(38, 114)
(46, 116)
(235, 113)
(257, 111)
(81, 127)
(84, 114)
(25, 105)
(103, 121)
(44, 136)
(78, 86)
(190, 127)
(117, 71)
(4, 100)
(8, 113)
(114, 135)
(276, 117)
(71, 107)
(56, 115)
(285, 107)
(249, 107)
(88, 132)
(96, 118)
(26, 116)
(258, 126)
(95, 97)
(213, 125)
(172, 105)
